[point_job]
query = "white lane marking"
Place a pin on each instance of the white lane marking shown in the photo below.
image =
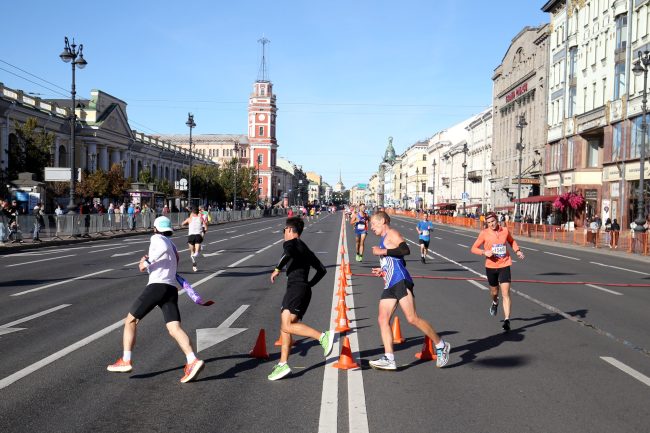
(7, 327)
(131, 264)
(241, 260)
(464, 246)
(58, 355)
(526, 248)
(626, 369)
(61, 282)
(216, 253)
(41, 260)
(231, 231)
(438, 237)
(128, 253)
(560, 255)
(107, 249)
(264, 249)
(477, 284)
(604, 289)
(622, 269)
(215, 242)
(208, 337)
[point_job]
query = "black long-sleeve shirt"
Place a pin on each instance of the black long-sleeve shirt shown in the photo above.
(299, 258)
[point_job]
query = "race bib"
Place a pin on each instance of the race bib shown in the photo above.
(361, 226)
(425, 232)
(499, 250)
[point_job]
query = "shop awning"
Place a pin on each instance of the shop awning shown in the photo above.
(537, 199)
(444, 204)
(504, 207)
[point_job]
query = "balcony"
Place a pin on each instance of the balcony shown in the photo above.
(474, 176)
(445, 181)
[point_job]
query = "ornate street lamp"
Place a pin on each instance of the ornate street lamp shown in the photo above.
(190, 124)
(74, 56)
(433, 185)
(641, 67)
(465, 195)
(417, 185)
(234, 191)
(521, 124)
(259, 162)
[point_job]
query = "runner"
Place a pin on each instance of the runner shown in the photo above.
(359, 221)
(196, 228)
(497, 263)
(299, 259)
(160, 263)
(424, 228)
(398, 289)
(205, 217)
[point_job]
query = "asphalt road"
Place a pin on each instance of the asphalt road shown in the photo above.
(577, 358)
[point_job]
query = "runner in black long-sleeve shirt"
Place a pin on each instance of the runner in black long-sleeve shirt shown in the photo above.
(299, 259)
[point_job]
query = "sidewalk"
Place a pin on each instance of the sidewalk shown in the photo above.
(605, 252)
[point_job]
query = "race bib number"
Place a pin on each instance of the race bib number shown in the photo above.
(499, 250)
(361, 226)
(425, 232)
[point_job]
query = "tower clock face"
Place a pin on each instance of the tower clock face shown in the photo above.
(262, 117)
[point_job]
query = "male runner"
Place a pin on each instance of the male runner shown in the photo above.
(497, 263)
(398, 289)
(160, 263)
(298, 258)
(359, 221)
(196, 227)
(205, 217)
(424, 228)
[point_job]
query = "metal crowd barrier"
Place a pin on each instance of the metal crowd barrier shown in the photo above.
(70, 226)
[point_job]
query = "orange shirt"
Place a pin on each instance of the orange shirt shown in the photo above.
(496, 241)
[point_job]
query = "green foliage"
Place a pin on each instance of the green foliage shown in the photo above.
(117, 183)
(165, 187)
(93, 185)
(145, 176)
(32, 150)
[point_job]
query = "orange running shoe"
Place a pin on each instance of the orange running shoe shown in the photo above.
(120, 366)
(192, 370)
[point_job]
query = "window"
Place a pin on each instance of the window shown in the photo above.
(259, 181)
(555, 156)
(424, 157)
(261, 130)
(592, 153)
(573, 62)
(572, 101)
(619, 80)
(604, 97)
(635, 145)
(424, 170)
(569, 153)
(617, 137)
(423, 187)
(621, 32)
(584, 99)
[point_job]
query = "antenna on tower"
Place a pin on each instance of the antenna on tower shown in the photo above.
(262, 74)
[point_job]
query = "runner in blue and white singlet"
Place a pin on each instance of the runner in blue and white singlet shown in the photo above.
(359, 221)
(394, 270)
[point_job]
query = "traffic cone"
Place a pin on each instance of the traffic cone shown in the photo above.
(427, 353)
(341, 304)
(342, 322)
(259, 351)
(346, 361)
(397, 332)
(342, 249)
(342, 285)
(347, 269)
(278, 342)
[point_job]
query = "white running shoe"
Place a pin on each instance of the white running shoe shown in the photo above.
(383, 363)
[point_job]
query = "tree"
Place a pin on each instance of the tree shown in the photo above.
(145, 176)
(32, 150)
(93, 184)
(117, 183)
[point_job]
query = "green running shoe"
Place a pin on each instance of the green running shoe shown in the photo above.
(326, 342)
(279, 371)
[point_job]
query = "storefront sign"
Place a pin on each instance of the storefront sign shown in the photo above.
(614, 190)
(633, 169)
(517, 92)
(526, 181)
(591, 194)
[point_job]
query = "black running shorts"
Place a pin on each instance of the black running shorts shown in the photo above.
(163, 295)
(398, 290)
(296, 300)
(424, 242)
(497, 276)
(194, 239)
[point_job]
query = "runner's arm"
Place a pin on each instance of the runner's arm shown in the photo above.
(515, 246)
(476, 248)
(320, 270)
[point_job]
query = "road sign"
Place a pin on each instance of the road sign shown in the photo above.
(182, 184)
(465, 197)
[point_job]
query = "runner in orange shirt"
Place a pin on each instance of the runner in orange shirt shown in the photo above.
(497, 263)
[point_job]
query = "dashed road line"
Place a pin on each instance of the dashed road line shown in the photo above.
(622, 269)
(604, 289)
(41, 260)
(626, 369)
(560, 255)
(60, 282)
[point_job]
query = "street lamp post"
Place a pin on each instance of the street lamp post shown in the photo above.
(433, 186)
(74, 56)
(521, 124)
(641, 67)
(465, 196)
(234, 191)
(190, 124)
(300, 191)
(259, 161)
(417, 184)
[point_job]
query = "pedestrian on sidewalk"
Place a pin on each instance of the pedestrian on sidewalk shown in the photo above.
(615, 231)
(39, 222)
(398, 290)
(299, 259)
(492, 244)
(161, 263)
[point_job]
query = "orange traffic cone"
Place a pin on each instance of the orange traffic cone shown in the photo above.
(427, 353)
(341, 304)
(342, 322)
(278, 342)
(397, 332)
(259, 351)
(345, 360)
(347, 268)
(342, 249)
(342, 285)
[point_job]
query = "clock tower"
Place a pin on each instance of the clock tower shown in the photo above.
(262, 112)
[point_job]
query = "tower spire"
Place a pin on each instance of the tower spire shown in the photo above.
(262, 75)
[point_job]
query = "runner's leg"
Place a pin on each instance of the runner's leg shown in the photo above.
(407, 304)
(362, 241)
(130, 331)
(181, 337)
(505, 294)
(386, 309)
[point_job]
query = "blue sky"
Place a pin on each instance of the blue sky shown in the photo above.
(347, 74)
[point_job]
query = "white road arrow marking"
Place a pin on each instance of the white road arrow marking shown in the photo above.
(7, 327)
(213, 254)
(208, 337)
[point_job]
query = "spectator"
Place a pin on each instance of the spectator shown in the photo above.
(608, 234)
(614, 230)
(39, 222)
(593, 228)
(131, 213)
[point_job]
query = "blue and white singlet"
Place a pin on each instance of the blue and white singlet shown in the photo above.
(394, 268)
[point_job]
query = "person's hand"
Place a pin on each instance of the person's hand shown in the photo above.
(520, 255)
(378, 251)
(488, 253)
(377, 272)
(143, 263)
(275, 273)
